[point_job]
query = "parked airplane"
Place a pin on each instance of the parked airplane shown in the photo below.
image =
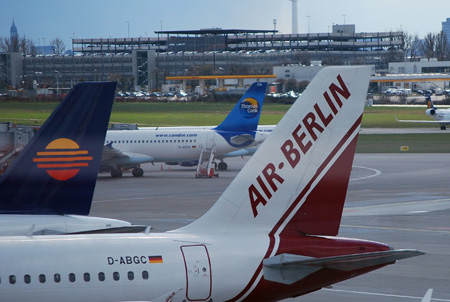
(49, 187)
(440, 116)
(128, 149)
(264, 129)
(271, 235)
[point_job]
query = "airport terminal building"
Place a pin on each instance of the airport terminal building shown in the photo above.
(144, 63)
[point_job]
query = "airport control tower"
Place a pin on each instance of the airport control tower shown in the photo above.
(294, 17)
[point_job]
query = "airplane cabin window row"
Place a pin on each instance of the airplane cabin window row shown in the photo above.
(153, 141)
(57, 278)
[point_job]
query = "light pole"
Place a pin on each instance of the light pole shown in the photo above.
(57, 76)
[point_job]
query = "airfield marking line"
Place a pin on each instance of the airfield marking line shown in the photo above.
(381, 294)
(153, 197)
(377, 172)
(394, 229)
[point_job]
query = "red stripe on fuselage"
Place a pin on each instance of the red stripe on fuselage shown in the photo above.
(277, 227)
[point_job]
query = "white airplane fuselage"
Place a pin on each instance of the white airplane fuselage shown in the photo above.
(178, 145)
(126, 258)
(145, 267)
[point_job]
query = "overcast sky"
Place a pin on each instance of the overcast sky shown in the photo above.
(44, 20)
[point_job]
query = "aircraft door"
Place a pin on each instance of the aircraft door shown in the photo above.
(198, 272)
(210, 141)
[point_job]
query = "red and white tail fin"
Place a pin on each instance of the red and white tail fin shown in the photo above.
(297, 180)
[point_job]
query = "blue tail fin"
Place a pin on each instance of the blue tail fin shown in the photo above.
(57, 170)
(245, 115)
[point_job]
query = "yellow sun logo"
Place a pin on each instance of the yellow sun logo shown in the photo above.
(62, 159)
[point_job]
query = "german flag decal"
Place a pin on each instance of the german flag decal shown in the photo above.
(62, 159)
(155, 259)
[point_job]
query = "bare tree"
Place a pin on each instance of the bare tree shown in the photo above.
(303, 57)
(411, 46)
(22, 45)
(406, 45)
(406, 40)
(442, 46)
(237, 69)
(436, 46)
(9, 45)
(31, 48)
(4, 44)
(428, 46)
(414, 51)
(58, 46)
(291, 84)
(26, 46)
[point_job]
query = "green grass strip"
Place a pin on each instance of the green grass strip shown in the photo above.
(414, 143)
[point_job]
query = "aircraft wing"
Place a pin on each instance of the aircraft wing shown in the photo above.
(241, 152)
(114, 157)
(117, 230)
(289, 268)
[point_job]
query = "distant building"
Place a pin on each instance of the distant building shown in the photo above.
(423, 66)
(14, 38)
(146, 63)
(297, 72)
(44, 50)
(343, 39)
(13, 32)
(11, 69)
(344, 29)
(301, 73)
(446, 28)
(425, 74)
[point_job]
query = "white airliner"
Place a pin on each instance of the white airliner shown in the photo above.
(69, 144)
(127, 149)
(440, 116)
(271, 235)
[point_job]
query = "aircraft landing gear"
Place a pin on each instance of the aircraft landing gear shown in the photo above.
(115, 173)
(443, 127)
(222, 166)
(137, 172)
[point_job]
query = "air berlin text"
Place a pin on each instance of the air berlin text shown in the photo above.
(302, 139)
